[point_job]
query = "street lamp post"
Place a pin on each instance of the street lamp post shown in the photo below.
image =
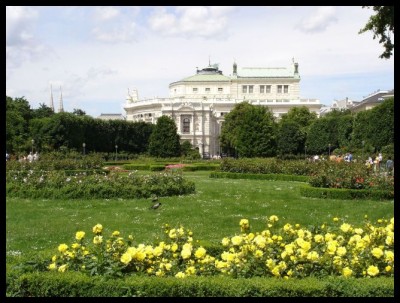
(83, 146)
(116, 152)
(33, 142)
(362, 142)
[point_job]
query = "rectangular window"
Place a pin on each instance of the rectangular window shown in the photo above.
(262, 89)
(195, 89)
(251, 89)
(244, 89)
(268, 89)
(279, 89)
(207, 89)
(220, 90)
(286, 89)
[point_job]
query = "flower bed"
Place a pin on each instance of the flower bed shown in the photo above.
(289, 251)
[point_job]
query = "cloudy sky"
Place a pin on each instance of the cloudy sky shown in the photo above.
(96, 53)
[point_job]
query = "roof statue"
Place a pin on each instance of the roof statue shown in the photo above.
(132, 96)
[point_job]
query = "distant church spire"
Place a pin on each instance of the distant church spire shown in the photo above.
(61, 107)
(51, 98)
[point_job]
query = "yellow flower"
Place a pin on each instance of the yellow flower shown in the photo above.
(258, 253)
(341, 251)
(377, 252)
(140, 255)
(75, 245)
(180, 275)
(345, 227)
(97, 229)
(98, 240)
(287, 227)
(115, 233)
(200, 253)
(168, 266)
(388, 268)
(335, 219)
(372, 270)
(318, 238)
(313, 256)
(358, 231)
(172, 233)
(79, 235)
(186, 253)
(260, 241)
(347, 272)
(54, 258)
(244, 223)
(174, 247)
(62, 248)
(389, 256)
(275, 271)
(52, 266)
(236, 240)
(225, 241)
(273, 218)
(62, 268)
(191, 270)
(126, 258)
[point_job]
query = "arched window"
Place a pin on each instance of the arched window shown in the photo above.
(186, 125)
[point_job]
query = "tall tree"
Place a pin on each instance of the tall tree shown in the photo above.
(250, 130)
(164, 140)
(290, 138)
(382, 25)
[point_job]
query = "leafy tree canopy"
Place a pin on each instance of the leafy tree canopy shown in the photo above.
(382, 25)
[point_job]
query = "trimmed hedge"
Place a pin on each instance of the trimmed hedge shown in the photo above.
(345, 194)
(275, 177)
(136, 166)
(203, 167)
(73, 284)
(74, 172)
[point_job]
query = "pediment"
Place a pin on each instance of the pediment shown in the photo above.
(186, 106)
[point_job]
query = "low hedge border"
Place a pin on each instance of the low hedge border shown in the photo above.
(136, 166)
(345, 194)
(275, 177)
(74, 284)
(74, 172)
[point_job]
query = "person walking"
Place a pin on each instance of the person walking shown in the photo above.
(389, 166)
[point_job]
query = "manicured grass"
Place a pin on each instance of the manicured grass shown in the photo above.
(212, 213)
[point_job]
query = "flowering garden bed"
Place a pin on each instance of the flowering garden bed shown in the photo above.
(282, 252)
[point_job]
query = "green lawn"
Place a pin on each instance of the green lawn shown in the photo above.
(212, 213)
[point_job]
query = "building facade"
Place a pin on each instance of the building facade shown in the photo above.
(198, 103)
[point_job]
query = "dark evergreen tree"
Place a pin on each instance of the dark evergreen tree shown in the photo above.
(164, 140)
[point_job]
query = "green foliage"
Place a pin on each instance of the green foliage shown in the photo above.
(346, 194)
(58, 185)
(75, 284)
(382, 25)
(322, 133)
(290, 138)
(268, 166)
(375, 126)
(250, 131)
(300, 115)
(164, 140)
(259, 176)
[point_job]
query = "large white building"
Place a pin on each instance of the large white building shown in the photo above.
(199, 102)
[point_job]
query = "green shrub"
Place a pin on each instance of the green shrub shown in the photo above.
(346, 194)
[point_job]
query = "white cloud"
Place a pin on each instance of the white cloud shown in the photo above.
(103, 13)
(319, 20)
(191, 21)
(21, 43)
